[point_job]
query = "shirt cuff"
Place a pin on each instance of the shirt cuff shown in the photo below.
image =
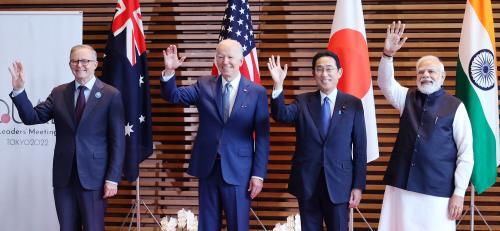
(387, 57)
(166, 78)
(459, 191)
(258, 178)
(15, 93)
(276, 92)
(111, 182)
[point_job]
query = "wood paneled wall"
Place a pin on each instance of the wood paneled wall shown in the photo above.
(295, 30)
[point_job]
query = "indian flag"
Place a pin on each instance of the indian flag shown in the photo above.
(348, 41)
(477, 88)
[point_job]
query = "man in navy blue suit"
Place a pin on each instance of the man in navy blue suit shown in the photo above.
(230, 163)
(89, 153)
(329, 163)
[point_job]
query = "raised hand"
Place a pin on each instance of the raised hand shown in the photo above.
(394, 40)
(17, 74)
(171, 59)
(277, 73)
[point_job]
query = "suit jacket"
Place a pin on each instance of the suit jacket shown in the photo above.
(346, 136)
(242, 155)
(97, 142)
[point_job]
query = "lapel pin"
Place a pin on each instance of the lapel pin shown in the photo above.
(342, 109)
(98, 95)
(245, 90)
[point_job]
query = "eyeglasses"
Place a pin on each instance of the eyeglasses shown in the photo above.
(84, 62)
(328, 70)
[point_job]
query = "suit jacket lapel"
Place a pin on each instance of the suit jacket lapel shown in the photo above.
(314, 105)
(95, 95)
(337, 112)
(69, 100)
(241, 95)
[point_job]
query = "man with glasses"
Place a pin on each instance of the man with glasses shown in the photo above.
(329, 164)
(432, 159)
(89, 151)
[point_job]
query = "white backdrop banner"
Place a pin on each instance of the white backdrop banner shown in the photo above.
(42, 41)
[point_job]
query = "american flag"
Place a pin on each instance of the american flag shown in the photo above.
(237, 25)
(125, 67)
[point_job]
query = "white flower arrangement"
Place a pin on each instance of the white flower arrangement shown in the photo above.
(185, 221)
(168, 224)
(181, 219)
(292, 224)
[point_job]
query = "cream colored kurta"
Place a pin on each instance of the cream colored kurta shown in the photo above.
(404, 210)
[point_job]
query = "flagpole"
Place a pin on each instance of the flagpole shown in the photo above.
(351, 219)
(138, 204)
(472, 207)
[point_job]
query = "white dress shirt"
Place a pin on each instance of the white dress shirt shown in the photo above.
(332, 97)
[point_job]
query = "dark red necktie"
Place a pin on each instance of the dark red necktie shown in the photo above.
(80, 104)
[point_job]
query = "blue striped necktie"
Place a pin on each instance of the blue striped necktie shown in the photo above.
(225, 100)
(325, 116)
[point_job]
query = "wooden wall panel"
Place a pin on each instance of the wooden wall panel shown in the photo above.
(295, 30)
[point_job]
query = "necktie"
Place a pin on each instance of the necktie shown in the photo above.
(325, 116)
(80, 104)
(225, 100)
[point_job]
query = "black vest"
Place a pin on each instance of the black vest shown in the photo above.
(425, 154)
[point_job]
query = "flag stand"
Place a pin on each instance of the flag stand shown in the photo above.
(472, 209)
(260, 223)
(351, 219)
(135, 210)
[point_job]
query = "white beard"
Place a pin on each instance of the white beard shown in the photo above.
(430, 88)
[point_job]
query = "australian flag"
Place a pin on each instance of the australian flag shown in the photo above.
(125, 67)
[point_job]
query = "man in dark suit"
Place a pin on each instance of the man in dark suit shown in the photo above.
(329, 164)
(226, 157)
(88, 157)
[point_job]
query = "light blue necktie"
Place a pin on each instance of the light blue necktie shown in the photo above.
(225, 100)
(325, 116)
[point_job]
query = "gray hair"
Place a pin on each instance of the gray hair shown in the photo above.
(84, 46)
(232, 42)
(431, 57)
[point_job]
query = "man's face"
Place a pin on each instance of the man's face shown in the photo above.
(83, 64)
(228, 59)
(429, 76)
(326, 74)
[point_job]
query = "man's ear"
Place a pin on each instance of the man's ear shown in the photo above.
(241, 61)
